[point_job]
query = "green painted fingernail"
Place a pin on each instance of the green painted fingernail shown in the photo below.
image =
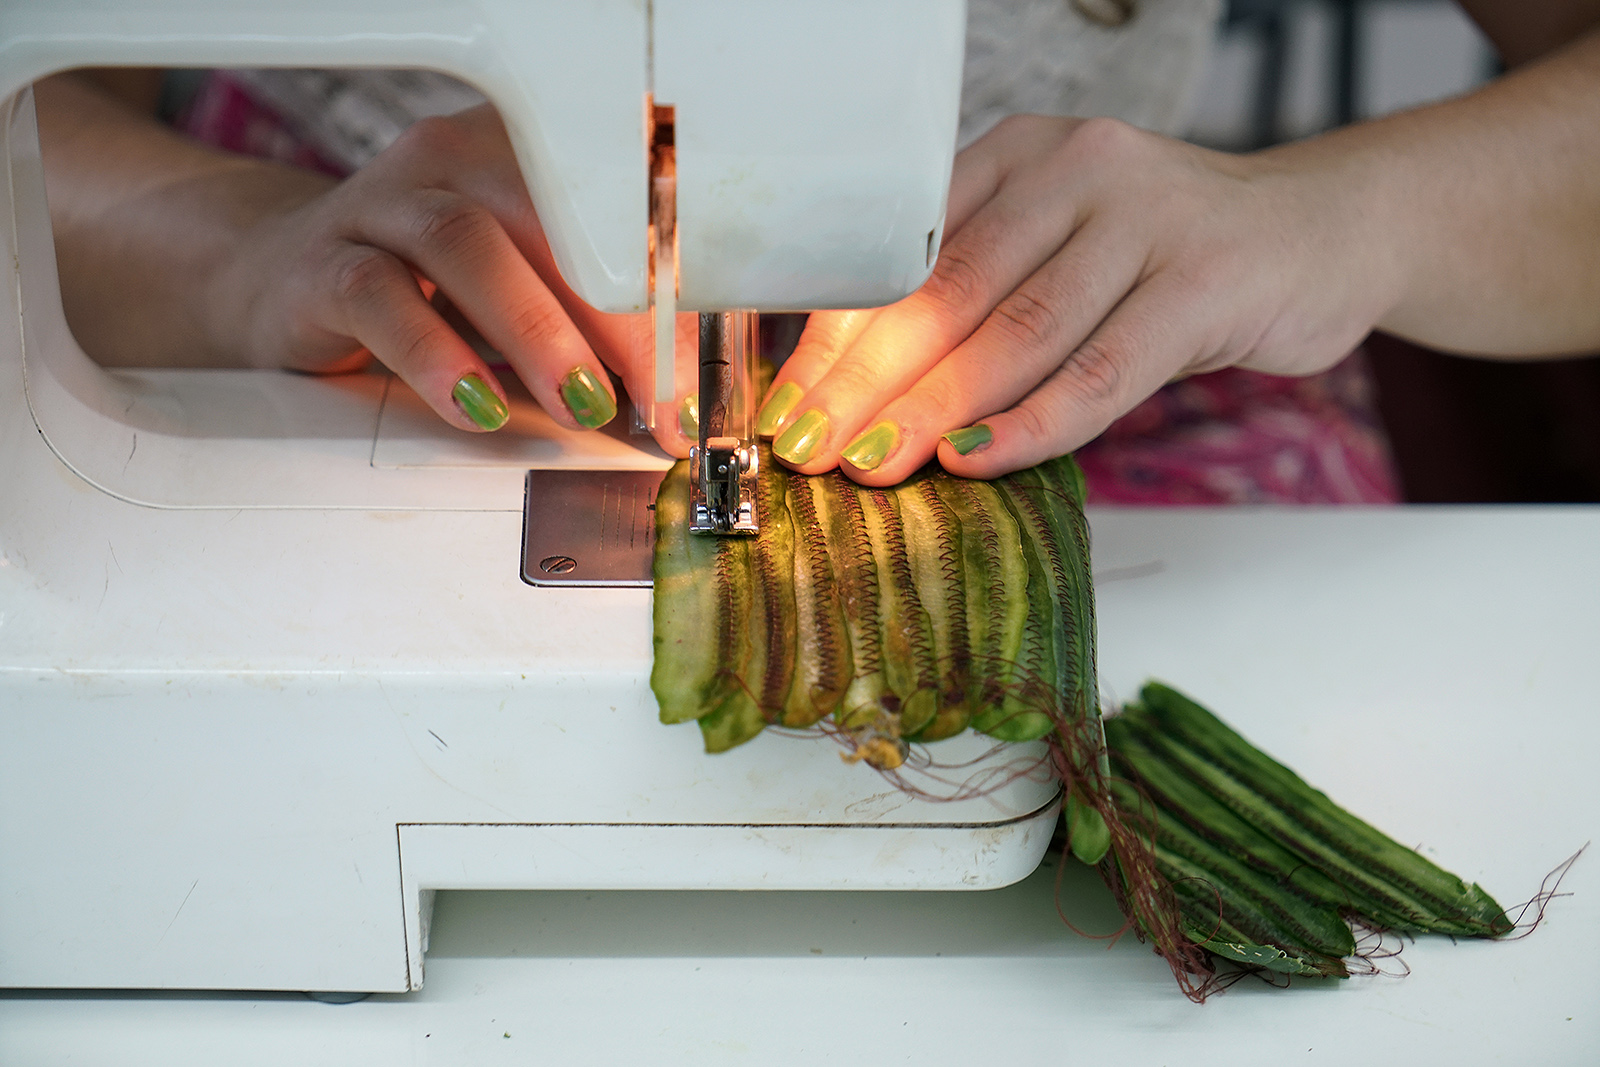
(480, 403)
(587, 399)
(800, 441)
(689, 416)
(777, 407)
(969, 439)
(873, 447)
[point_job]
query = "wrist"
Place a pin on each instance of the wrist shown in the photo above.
(1360, 211)
(250, 205)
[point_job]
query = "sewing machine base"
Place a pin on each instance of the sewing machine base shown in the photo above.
(255, 830)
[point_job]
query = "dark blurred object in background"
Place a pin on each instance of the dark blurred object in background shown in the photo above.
(1461, 430)
(1469, 431)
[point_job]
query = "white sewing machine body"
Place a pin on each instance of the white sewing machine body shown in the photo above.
(269, 672)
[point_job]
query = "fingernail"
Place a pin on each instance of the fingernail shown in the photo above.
(969, 439)
(873, 447)
(480, 403)
(799, 442)
(689, 416)
(587, 399)
(777, 408)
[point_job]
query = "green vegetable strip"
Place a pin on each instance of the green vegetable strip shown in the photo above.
(737, 717)
(1403, 886)
(776, 609)
(690, 675)
(1253, 900)
(934, 542)
(1221, 937)
(1068, 478)
(908, 659)
(1087, 833)
(1177, 796)
(996, 570)
(1026, 710)
(1207, 893)
(1031, 512)
(1048, 502)
(849, 548)
(1468, 909)
(822, 648)
(1047, 487)
(1394, 899)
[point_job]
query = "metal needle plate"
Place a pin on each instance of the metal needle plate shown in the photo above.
(589, 527)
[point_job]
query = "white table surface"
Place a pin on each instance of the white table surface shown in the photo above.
(1435, 670)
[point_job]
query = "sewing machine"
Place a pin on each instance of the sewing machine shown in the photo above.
(278, 657)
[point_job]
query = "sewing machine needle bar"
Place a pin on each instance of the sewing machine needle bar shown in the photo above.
(663, 234)
(723, 464)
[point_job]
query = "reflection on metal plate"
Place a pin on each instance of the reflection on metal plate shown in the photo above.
(589, 527)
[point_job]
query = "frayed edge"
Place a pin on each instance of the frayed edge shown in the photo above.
(1548, 891)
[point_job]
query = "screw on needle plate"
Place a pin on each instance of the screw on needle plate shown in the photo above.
(557, 564)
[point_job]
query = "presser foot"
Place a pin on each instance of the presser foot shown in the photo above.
(722, 487)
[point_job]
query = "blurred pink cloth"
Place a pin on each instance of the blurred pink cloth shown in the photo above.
(1231, 437)
(225, 115)
(1238, 437)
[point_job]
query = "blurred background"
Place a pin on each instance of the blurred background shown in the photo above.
(1235, 75)
(1461, 430)
(1288, 68)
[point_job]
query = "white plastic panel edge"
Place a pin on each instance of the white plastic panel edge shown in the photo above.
(884, 857)
(814, 146)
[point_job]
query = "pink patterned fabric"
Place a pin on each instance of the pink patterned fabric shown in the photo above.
(1238, 437)
(1232, 437)
(224, 115)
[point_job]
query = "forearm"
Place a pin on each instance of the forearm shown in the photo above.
(143, 221)
(1483, 212)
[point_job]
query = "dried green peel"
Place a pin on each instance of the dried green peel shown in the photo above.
(1242, 820)
(914, 613)
(1266, 870)
(906, 614)
(823, 662)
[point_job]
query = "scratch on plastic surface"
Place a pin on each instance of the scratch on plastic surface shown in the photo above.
(106, 587)
(175, 914)
(426, 766)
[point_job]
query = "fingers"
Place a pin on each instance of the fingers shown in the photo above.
(462, 248)
(1128, 357)
(376, 300)
(675, 423)
(826, 336)
(1023, 341)
(982, 166)
(626, 345)
(1004, 243)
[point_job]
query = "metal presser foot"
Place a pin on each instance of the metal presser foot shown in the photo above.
(723, 467)
(597, 527)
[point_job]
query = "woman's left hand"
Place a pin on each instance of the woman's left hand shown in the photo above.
(1086, 263)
